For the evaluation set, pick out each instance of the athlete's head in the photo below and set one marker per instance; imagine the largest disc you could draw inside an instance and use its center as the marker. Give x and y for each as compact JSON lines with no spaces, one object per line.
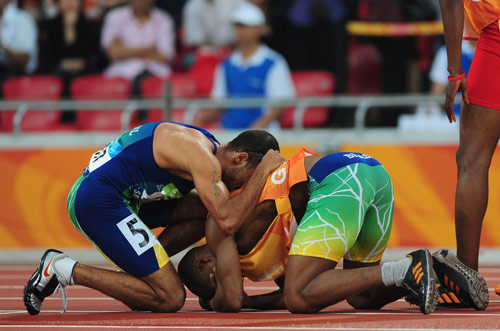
{"x":243,"y":154}
{"x":195,"y":271}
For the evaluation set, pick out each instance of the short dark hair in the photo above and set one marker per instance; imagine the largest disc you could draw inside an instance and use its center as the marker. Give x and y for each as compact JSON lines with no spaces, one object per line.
{"x":255,"y":143}
{"x":191,"y":275}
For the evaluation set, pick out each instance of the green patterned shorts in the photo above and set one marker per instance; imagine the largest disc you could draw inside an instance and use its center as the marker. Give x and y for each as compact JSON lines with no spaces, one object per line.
{"x":349,"y":214}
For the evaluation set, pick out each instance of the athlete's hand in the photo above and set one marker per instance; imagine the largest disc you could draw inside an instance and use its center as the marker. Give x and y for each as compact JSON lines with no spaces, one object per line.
{"x":271,"y":161}
{"x":205,"y":304}
{"x":451,"y":92}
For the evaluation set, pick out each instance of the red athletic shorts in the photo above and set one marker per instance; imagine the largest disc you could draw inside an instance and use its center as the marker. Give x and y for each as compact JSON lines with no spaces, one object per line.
{"x":484,"y":74}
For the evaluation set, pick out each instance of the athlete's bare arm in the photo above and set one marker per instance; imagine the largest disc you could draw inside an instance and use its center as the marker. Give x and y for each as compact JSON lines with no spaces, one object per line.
{"x":453,"y":22}
{"x":189,"y":154}
{"x":229,"y":291}
{"x":247,"y":237}
{"x":269,"y":301}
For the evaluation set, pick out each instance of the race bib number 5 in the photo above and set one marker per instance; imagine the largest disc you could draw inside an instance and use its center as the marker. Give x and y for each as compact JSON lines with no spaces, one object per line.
{"x":137,"y":234}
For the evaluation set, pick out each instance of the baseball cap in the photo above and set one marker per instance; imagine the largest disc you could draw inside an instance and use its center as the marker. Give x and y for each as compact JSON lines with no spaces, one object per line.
{"x":248,"y":14}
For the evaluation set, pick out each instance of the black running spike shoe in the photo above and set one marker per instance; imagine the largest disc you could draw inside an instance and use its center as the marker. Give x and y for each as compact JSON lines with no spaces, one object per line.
{"x":447,"y":299}
{"x":467,"y":284}
{"x":419,"y":280}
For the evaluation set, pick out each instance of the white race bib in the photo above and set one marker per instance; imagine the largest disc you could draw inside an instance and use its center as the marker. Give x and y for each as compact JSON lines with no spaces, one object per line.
{"x":99,"y":158}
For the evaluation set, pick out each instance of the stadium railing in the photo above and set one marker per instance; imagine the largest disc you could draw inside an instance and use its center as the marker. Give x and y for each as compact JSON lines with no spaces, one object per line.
{"x":360,"y":103}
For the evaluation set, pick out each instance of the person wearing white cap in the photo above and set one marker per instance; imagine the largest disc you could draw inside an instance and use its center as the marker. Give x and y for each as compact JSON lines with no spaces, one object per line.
{"x":252,"y":70}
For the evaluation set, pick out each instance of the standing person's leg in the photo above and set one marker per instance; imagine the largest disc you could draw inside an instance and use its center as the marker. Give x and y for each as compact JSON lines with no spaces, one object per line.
{"x":479,"y":134}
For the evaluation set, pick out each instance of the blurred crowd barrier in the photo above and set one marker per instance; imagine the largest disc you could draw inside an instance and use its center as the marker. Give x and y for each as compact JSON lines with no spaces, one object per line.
{"x":36,"y":181}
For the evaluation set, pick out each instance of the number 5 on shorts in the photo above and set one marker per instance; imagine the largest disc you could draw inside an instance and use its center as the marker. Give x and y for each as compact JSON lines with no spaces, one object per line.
{"x":137,"y":234}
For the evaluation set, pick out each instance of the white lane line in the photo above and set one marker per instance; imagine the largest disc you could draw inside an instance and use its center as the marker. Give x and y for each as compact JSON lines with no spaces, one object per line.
{"x":76,"y":299}
{"x":111,"y":299}
{"x":185,"y":327}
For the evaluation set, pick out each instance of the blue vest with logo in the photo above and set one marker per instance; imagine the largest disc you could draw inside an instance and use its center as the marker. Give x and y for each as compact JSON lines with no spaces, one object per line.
{"x":244,"y":83}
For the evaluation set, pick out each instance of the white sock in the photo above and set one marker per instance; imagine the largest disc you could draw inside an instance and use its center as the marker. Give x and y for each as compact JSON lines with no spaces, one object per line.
{"x":63,"y":268}
{"x":393,"y":273}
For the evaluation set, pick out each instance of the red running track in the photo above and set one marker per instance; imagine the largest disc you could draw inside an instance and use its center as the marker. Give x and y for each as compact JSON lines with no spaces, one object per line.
{"x":90,"y":310}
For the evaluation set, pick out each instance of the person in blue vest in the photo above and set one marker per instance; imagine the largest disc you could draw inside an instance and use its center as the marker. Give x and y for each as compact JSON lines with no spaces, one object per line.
{"x":252,"y":70}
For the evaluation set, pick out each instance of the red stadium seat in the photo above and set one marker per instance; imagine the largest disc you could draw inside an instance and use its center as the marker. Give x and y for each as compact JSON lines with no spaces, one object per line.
{"x":364,"y":69}
{"x":182,"y":87}
{"x":203,"y":69}
{"x":33,"y":88}
{"x":99,"y":87}
{"x":310,"y":84}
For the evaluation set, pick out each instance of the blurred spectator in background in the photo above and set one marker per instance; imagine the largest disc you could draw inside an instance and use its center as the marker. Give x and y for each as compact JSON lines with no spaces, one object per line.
{"x":207,"y":37}
{"x":252,"y":70}
{"x":397,"y":53}
{"x":32,"y":7}
{"x":70,"y":46}
{"x":107,"y":5}
{"x":318,"y":38}
{"x":139,"y":39}
{"x":18,"y":41}
{"x":430,"y":115}
{"x":174,"y":8}
{"x":208,"y":22}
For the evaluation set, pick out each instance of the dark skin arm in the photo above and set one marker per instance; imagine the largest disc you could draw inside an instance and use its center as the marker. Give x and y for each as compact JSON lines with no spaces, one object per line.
{"x":229,"y":294}
{"x":453,"y":22}
{"x":269,"y":301}
{"x":247,"y":237}
{"x":229,"y":291}
{"x":254,"y":228}
{"x":187,"y":225}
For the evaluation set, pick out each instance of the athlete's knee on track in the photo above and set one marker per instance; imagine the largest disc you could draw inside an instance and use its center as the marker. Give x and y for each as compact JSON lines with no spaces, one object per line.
{"x":363,"y":302}
{"x":296,"y":302}
{"x":170,"y":300}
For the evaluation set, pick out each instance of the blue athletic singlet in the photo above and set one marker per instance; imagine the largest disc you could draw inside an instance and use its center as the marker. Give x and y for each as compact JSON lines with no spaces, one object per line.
{"x":127,"y":164}
{"x":104,"y":202}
